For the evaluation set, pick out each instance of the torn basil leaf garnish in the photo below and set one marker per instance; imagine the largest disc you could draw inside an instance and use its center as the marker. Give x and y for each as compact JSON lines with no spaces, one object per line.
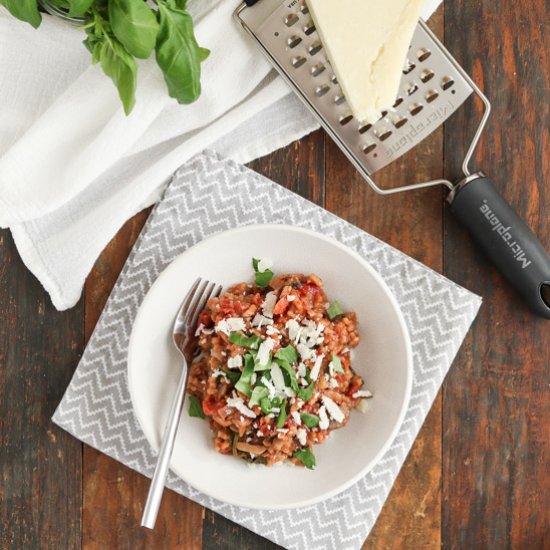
{"x":251,"y":342}
{"x":310,"y":420}
{"x":336,"y":364}
{"x":258,"y":393}
{"x":334,"y":310}
{"x":195,"y":407}
{"x":306,"y":457}
{"x":282,"y":415}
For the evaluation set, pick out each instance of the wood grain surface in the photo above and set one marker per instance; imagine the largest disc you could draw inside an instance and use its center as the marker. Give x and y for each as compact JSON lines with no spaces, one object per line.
{"x":478,"y":475}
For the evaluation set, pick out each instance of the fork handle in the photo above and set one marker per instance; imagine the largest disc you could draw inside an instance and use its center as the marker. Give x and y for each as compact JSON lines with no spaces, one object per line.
{"x":156,"y":488}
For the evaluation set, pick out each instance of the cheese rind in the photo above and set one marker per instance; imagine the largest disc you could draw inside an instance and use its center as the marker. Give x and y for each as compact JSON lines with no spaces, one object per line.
{"x":367,"y":43}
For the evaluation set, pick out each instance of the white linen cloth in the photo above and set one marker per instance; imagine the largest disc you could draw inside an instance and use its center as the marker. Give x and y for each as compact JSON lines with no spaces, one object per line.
{"x":74,"y":168}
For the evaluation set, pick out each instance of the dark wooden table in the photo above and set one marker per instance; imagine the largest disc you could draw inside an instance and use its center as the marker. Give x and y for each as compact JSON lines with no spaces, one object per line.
{"x":478,"y":475}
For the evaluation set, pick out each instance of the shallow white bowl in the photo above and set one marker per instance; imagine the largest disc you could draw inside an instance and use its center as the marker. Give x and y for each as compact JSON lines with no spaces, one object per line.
{"x":383,"y":358}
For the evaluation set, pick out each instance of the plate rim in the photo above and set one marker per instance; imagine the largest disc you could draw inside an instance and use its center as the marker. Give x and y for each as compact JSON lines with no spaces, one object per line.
{"x":408,"y":363}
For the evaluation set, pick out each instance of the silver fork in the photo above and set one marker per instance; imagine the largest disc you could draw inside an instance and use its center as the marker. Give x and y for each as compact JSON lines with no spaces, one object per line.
{"x":184,"y":339}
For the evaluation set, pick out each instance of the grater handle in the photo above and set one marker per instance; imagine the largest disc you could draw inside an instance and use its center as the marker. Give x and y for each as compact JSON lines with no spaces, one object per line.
{"x":505,"y":238}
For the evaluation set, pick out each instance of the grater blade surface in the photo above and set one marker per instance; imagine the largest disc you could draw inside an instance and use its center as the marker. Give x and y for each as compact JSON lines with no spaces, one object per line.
{"x":432,"y":87}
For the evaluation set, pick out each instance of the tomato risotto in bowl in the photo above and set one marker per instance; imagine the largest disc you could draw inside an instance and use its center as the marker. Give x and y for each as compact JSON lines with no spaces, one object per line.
{"x":274,"y":375}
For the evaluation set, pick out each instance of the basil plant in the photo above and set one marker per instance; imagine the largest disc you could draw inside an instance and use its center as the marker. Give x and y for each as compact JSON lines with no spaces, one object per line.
{"x":120,"y":31}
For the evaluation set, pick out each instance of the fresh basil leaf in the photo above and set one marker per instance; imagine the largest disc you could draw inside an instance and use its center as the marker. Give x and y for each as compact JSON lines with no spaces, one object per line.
{"x":258,"y":393}
{"x":334,"y":310}
{"x":306,"y":457}
{"x":25,"y":10}
{"x":290,"y":373}
{"x":288,"y":354}
{"x":282,"y":415}
{"x":265,"y":367}
{"x":336,"y":364}
{"x":77,"y":8}
{"x":243,"y":385}
{"x":310,"y":420}
{"x":263,"y":279}
{"x":134,"y":23}
{"x":305,"y":394}
{"x":266,"y":405}
{"x":178,"y":54}
{"x":252,"y":342}
{"x":121,"y":68}
{"x":232,"y":375}
{"x":195,"y":407}
{"x":248,"y":363}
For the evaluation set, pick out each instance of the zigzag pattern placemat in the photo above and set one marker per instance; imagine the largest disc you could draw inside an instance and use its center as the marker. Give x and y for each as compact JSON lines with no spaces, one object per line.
{"x":208,"y":195}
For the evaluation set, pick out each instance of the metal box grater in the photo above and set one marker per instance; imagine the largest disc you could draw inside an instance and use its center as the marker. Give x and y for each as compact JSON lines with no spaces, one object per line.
{"x":433,"y":87}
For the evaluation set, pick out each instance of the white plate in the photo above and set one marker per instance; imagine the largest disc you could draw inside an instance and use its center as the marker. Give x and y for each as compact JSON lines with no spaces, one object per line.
{"x":383,"y":358}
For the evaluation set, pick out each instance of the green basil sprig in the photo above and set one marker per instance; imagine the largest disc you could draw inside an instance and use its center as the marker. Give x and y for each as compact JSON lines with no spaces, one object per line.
{"x":26,"y":10}
{"x":119,"y":31}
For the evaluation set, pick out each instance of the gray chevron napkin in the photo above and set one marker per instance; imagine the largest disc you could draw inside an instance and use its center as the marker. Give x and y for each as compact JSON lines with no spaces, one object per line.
{"x":208,"y":195}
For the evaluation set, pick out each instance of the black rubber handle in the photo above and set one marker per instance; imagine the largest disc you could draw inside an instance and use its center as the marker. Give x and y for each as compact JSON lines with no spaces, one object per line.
{"x":506,"y":239}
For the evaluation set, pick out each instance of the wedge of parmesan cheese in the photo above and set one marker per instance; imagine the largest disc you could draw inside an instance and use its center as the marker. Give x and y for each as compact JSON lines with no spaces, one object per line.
{"x":367,"y":43}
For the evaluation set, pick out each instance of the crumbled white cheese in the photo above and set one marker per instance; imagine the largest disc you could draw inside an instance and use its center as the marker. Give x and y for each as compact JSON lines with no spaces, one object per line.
{"x":323,"y":418}
{"x":271,"y":330}
{"x":363,"y":405}
{"x":259,"y":433}
{"x":293,"y":328}
{"x":260,"y":320}
{"x":238,"y":403}
{"x":334,"y":383}
{"x":282,"y":430}
{"x":217,"y":373}
{"x":235,"y":362}
{"x":277,"y":377}
{"x":270,"y":387}
{"x":269,"y":304}
{"x":333,"y":409}
{"x":264,"y":350}
{"x":362,"y":393}
{"x":289,"y":392}
{"x":301,"y":434}
{"x":231,"y":324}
{"x":305,"y":352}
{"x":303,"y":382}
{"x":297,"y":418}
{"x":201,"y":329}
{"x":291,"y":297}
{"x":316,"y":367}
{"x":301,"y":369}
{"x":265,"y":263}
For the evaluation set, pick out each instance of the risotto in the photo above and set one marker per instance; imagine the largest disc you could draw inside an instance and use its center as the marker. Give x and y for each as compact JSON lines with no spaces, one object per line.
{"x":274,"y":374}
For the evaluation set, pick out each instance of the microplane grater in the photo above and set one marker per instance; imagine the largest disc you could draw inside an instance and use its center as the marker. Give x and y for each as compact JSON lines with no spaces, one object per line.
{"x":433,"y":86}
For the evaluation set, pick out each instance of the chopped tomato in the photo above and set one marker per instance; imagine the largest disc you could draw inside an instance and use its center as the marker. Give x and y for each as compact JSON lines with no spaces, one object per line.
{"x":205,"y":319}
{"x":210,"y":406}
{"x":309,"y":288}
{"x":257,"y":299}
{"x":281,"y":306}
